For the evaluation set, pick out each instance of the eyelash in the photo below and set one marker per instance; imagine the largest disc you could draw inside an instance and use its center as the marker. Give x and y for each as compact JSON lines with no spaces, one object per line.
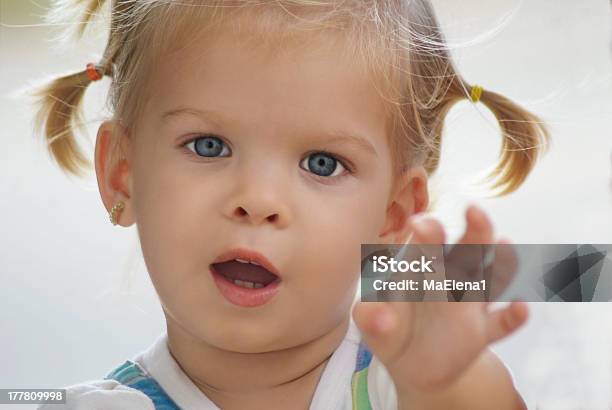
{"x":325,"y":179}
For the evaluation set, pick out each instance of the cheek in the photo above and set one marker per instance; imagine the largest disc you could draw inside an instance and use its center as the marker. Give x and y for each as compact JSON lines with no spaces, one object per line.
{"x":172,"y":216}
{"x":333,"y":239}
{"x":176,"y":231}
{"x":356,"y":217}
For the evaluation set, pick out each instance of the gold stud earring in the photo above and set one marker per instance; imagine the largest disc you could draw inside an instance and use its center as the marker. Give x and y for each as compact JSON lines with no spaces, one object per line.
{"x":118,"y":207}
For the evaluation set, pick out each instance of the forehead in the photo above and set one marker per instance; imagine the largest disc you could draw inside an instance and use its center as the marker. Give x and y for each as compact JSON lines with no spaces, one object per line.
{"x":304,"y":82}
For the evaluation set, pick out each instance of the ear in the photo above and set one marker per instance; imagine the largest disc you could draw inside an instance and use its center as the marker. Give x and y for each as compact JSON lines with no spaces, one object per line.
{"x":409,"y":197}
{"x":113,"y":169}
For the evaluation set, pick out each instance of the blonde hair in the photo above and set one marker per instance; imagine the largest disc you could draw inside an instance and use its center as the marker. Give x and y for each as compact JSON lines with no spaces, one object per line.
{"x":399,"y":41}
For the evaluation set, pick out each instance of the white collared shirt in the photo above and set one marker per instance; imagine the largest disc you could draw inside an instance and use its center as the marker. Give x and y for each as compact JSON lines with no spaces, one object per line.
{"x":333,"y":391}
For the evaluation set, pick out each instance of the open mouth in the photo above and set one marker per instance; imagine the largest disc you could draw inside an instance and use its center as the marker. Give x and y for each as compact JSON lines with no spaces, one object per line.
{"x":245,"y":274}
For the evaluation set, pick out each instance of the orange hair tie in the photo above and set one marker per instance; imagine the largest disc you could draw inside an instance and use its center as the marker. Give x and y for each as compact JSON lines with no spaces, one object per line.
{"x":92,"y":73}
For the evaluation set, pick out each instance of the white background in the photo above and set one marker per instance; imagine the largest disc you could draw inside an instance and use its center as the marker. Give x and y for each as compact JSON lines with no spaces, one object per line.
{"x":75,"y":299}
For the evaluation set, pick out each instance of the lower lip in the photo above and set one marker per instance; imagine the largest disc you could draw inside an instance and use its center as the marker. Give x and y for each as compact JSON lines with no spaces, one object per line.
{"x":244,"y":297}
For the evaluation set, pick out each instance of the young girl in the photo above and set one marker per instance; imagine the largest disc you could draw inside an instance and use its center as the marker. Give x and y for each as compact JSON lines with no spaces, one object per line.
{"x":256,"y":145}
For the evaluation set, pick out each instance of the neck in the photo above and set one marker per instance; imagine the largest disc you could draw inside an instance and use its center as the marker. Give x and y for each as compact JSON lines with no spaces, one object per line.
{"x":230,"y":378}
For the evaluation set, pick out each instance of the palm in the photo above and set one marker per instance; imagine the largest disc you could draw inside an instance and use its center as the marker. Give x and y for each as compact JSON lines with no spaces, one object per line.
{"x":444,"y":338}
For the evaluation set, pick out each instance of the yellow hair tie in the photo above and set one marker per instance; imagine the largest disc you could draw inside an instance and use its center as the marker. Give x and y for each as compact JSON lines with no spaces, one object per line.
{"x":476,"y":93}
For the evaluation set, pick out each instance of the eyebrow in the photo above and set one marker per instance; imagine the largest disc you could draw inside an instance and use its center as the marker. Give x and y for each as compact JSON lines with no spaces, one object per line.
{"x":348,"y":138}
{"x":334,"y":136}
{"x":205,"y":114}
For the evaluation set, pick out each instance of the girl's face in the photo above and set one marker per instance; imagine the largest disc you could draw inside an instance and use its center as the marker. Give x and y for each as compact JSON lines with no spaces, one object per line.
{"x":254,"y":180}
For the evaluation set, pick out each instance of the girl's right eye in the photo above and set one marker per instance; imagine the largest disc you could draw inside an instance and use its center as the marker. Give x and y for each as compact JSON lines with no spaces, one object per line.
{"x":207,"y":146}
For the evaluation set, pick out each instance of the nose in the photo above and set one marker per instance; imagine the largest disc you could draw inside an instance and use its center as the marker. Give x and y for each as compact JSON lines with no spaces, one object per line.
{"x":259,"y":201}
{"x":256,"y":217}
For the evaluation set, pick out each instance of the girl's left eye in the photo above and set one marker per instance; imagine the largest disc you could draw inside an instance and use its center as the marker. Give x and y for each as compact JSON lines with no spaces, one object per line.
{"x":323,"y":165}
{"x":207,"y":146}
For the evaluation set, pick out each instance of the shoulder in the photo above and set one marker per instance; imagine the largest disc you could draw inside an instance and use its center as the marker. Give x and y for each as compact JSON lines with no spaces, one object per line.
{"x":102,"y":394}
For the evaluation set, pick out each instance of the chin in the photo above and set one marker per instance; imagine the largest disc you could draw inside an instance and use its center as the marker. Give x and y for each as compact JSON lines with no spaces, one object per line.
{"x":250,"y":340}
{"x":239,"y":333}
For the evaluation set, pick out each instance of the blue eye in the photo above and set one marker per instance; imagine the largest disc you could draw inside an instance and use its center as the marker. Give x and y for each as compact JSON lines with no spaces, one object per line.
{"x":207,"y":146}
{"x":322,"y":164}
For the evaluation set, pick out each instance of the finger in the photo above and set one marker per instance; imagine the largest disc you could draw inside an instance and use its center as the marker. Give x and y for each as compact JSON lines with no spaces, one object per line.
{"x":479,"y":228}
{"x":471,"y":262}
{"x":502,"y":271}
{"x":504,"y":321}
{"x":382,"y":328}
{"x":466,"y":257}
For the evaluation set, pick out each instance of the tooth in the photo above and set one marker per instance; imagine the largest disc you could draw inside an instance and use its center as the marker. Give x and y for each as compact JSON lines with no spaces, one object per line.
{"x":246,"y":261}
{"x":258,"y":285}
{"x":244,"y":283}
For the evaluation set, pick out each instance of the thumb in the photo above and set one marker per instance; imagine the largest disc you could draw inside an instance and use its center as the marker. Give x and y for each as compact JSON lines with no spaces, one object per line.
{"x":381,"y":330}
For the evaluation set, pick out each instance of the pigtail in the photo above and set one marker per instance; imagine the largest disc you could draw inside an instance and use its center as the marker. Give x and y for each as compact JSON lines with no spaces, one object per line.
{"x":59,"y":102}
{"x":525,"y":138}
{"x":435,"y":86}
{"x":58,"y":114}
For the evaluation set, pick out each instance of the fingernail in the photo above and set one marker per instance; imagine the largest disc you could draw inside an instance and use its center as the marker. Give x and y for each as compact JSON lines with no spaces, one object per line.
{"x":474,"y":210}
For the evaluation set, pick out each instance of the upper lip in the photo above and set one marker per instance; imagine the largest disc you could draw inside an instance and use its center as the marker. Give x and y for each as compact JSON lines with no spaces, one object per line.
{"x":249,"y":255}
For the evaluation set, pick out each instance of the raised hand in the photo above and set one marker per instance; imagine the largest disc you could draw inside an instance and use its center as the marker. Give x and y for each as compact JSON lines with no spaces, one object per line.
{"x":427,"y":346}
